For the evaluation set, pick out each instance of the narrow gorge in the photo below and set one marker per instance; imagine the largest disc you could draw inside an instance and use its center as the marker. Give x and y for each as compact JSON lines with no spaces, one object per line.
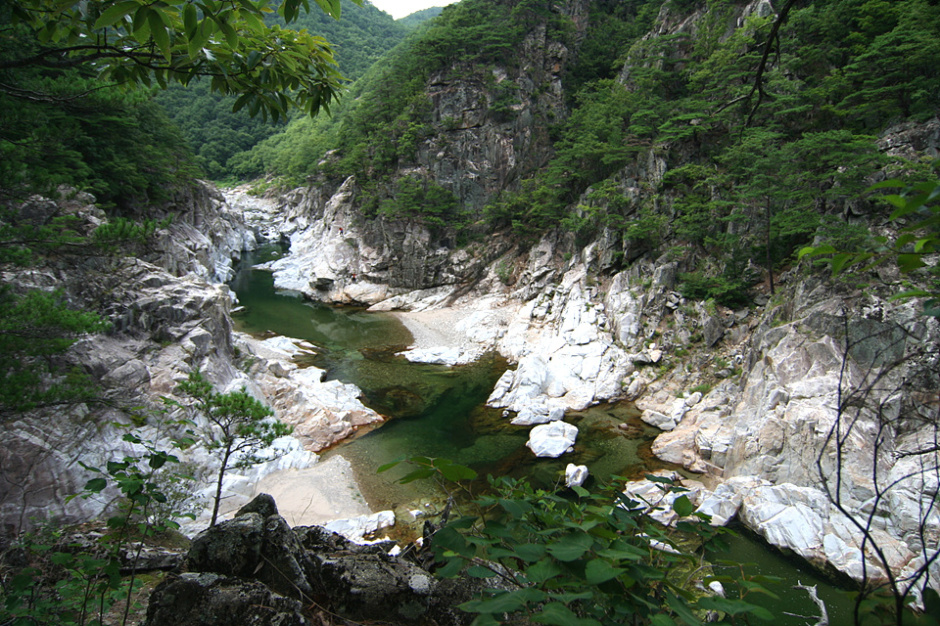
{"x":577,"y":235}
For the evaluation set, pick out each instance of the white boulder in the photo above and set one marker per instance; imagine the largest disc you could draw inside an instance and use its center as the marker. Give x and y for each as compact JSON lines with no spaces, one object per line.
{"x":356,"y":528}
{"x":538,"y":414}
{"x":552,"y":440}
{"x":575,"y":475}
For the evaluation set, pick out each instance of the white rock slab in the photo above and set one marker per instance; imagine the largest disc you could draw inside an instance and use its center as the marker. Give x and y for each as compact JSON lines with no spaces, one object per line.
{"x":442,"y":355}
{"x":538,"y":414}
{"x":356,"y":528}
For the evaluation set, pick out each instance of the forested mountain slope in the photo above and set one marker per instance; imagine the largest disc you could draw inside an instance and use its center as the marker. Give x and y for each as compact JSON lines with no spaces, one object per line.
{"x":216,"y":134}
{"x":528,"y":115}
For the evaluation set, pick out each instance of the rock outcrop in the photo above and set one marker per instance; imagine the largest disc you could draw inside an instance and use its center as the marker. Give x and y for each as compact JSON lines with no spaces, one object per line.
{"x":168,"y":319}
{"x":255,"y":569}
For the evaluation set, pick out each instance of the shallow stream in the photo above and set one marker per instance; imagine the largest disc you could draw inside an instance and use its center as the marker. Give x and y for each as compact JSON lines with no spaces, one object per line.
{"x":439,"y":411}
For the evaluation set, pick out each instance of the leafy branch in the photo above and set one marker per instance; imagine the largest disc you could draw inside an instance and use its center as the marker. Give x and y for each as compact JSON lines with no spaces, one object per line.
{"x":917,"y":212}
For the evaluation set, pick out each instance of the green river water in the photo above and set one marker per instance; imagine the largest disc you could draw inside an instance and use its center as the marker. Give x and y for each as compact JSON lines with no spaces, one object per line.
{"x":439,"y":411}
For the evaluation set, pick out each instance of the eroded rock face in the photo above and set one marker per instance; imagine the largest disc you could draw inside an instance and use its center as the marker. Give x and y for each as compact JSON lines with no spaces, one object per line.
{"x":320,"y":412}
{"x":565,"y":352}
{"x":770,"y":438}
{"x":163,"y":327}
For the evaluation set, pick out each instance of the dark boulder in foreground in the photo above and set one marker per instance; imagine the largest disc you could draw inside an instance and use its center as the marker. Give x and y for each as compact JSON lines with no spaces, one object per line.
{"x":255,"y":569}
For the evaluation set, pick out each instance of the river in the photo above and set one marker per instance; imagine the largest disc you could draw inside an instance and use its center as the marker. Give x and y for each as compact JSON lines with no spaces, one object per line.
{"x":440,"y":411}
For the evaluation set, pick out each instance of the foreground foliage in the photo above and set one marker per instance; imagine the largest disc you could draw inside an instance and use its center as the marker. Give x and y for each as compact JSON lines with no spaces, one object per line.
{"x":58,"y":579}
{"x":139,"y":42}
{"x":573,"y":557}
{"x":76,"y":76}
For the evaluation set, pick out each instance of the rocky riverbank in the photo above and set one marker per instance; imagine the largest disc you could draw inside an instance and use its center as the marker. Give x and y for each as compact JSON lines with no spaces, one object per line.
{"x":747,"y":398}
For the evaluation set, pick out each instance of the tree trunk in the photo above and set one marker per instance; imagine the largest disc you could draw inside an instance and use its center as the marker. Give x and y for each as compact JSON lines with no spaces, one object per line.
{"x":770,"y":260}
{"x":218,"y":485}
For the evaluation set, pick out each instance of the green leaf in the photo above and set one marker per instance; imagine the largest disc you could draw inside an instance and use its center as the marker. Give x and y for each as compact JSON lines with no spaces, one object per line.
{"x":190,"y":20}
{"x":253,"y":23}
{"x":231,"y":37}
{"x":115,"y":13}
{"x":418,"y":474}
{"x":452,"y":568}
{"x":910,"y":262}
{"x":839,"y":262}
{"x":679,"y":606}
{"x":449,"y":539}
{"x":560,"y":615}
{"x":623,"y":551}
{"x":905,"y":206}
{"x":921,"y":244}
{"x":115,"y":467}
{"x":63,"y":559}
{"x":816,"y":250}
{"x":141,"y":23}
{"x":542,"y":570}
{"x":887,"y":184}
{"x":505,"y":602}
{"x":478,"y":571}
{"x":733,"y":607}
{"x":516,"y":508}
{"x":756,"y":587}
{"x":387,"y":466}
{"x":571,"y":546}
{"x":529,"y":552}
{"x":662,"y":619}
{"x":333,"y":8}
{"x":599,"y":571}
{"x":683,"y":506}
{"x":454,"y":472}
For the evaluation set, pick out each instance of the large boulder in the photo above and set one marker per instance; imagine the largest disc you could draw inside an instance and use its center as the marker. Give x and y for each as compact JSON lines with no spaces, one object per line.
{"x":258,"y":543}
{"x":206,"y":599}
{"x":257,"y":558}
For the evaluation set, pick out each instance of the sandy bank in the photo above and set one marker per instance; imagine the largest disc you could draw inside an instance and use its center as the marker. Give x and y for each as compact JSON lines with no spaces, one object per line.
{"x":437,"y":328}
{"x":316,"y":495}
{"x":469,"y":325}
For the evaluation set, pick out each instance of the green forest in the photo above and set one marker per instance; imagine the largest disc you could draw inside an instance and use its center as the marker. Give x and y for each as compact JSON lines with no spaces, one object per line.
{"x":220,"y":138}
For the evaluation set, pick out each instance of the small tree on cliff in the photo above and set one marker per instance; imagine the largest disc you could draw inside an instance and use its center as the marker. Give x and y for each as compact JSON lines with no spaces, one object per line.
{"x":238,"y":427}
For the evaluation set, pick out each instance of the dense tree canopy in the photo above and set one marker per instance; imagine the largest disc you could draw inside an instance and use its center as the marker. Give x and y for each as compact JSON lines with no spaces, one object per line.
{"x":140,"y":42}
{"x":216,"y":133}
{"x":74,"y":103}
